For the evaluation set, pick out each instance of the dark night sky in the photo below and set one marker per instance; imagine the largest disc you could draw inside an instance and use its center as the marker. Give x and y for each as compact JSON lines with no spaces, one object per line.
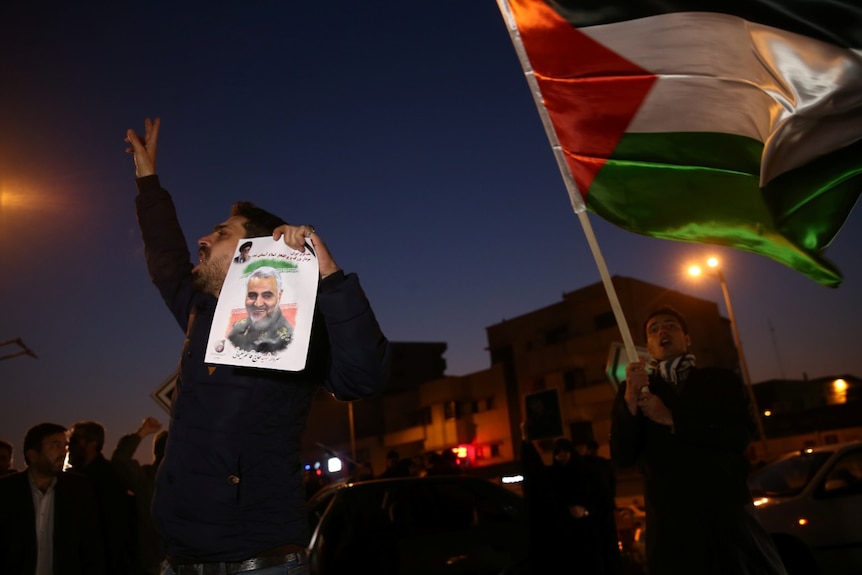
{"x":404,"y":131}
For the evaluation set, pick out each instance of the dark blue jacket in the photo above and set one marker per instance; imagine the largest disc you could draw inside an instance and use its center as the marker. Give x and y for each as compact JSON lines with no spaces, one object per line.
{"x":231,"y":483}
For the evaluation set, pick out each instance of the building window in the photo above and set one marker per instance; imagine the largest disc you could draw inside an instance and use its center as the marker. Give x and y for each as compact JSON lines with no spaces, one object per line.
{"x":556,"y":334}
{"x":574,"y":378}
{"x":480,"y":405}
{"x":502,"y":355}
{"x":421,"y":417}
{"x":452,"y":409}
{"x":605,"y":320}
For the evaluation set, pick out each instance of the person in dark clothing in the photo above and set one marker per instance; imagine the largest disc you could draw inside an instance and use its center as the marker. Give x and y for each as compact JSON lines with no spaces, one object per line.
{"x":395,"y":466}
{"x":141,"y":479}
{"x":444,"y":463}
{"x":604,"y":515}
{"x":314,"y":481}
{"x":116,"y":504}
{"x":229,"y":494}
{"x":561,"y":498}
{"x":49,"y":522}
{"x":6,"y":460}
{"x":687,"y":428}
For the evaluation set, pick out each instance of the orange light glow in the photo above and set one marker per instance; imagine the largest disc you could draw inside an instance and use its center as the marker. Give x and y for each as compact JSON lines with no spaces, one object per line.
{"x":839,"y":392}
{"x":803,"y":521}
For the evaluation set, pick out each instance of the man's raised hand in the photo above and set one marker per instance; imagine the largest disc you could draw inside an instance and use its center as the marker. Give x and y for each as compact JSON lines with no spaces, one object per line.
{"x":144,"y":150}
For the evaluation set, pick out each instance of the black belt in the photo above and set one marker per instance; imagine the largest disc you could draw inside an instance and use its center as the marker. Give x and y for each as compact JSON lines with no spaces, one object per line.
{"x":231,"y":567}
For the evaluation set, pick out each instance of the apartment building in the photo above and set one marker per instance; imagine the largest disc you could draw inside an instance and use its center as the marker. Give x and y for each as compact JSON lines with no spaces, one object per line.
{"x":560,"y":353}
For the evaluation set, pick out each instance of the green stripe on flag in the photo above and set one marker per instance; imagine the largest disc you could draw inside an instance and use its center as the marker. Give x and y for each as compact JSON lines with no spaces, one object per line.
{"x":812,"y":203}
{"x":703,"y":188}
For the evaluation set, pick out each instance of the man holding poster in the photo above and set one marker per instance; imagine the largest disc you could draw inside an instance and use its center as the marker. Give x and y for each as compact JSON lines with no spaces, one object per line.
{"x":229,"y":494}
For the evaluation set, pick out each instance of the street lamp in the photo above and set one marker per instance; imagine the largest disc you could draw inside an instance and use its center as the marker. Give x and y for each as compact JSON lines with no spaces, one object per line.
{"x":712,"y":262}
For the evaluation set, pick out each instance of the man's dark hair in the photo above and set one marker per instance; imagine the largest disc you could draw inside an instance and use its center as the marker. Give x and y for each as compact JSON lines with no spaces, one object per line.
{"x":37,"y":434}
{"x":7,"y":446}
{"x":91,"y":431}
{"x":259,"y":222}
{"x":563,"y":444}
{"x":666,"y":310}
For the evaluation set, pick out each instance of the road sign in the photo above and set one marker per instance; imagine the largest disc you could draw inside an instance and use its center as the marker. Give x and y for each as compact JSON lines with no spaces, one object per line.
{"x":164,"y":393}
{"x":618,"y":360}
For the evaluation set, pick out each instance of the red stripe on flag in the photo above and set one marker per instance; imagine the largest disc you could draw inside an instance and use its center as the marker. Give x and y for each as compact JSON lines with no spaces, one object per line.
{"x":591,"y":93}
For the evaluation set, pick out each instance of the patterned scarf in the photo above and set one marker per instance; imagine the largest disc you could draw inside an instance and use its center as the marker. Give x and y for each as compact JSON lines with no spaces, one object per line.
{"x":674,"y":371}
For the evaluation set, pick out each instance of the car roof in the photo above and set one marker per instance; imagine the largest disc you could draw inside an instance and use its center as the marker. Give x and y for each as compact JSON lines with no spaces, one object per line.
{"x":829,"y":447}
{"x":383,"y":483}
{"x":375,"y":483}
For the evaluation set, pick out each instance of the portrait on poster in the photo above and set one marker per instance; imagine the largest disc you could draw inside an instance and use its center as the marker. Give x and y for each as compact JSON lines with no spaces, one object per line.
{"x":265,"y":310}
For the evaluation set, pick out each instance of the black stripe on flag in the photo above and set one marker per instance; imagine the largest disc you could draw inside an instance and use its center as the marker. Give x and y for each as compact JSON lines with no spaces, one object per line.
{"x":838,"y":22}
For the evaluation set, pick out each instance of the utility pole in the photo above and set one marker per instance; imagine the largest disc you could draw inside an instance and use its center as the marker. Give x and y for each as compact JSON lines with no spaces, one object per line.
{"x":743,"y":364}
{"x":775,"y":345}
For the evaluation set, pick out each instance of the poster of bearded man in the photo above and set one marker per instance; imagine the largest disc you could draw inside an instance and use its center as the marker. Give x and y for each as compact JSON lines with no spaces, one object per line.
{"x":266,"y":308}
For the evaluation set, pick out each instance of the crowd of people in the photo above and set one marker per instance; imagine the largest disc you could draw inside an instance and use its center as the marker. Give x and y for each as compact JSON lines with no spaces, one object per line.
{"x":73,"y":510}
{"x":93,"y":513}
{"x":443,"y":462}
{"x":230,"y":496}
{"x":686,"y":427}
{"x":572,"y":507}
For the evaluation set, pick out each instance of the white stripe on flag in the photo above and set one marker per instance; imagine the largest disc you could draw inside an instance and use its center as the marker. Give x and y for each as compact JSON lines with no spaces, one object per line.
{"x":719,"y":73}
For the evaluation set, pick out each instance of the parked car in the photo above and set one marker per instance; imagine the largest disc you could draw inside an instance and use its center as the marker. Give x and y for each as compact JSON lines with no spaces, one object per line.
{"x":810,"y":501}
{"x":416,"y":525}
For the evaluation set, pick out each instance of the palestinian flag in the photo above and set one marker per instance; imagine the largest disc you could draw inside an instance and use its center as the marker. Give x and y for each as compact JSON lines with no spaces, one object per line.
{"x":736,"y":123}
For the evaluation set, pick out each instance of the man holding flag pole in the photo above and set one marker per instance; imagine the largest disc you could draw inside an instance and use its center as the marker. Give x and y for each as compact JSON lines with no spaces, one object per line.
{"x":736,"y":123}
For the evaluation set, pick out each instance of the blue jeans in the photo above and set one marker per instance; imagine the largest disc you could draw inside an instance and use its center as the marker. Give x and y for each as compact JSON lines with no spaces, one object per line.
{"x":290,"y":568}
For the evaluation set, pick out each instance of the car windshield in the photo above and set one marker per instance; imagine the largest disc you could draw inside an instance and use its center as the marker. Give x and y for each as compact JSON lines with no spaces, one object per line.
{"x":787,"y":476}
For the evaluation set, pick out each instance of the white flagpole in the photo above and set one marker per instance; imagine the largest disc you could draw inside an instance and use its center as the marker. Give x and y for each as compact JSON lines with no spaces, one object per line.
{"x":574,"y":194}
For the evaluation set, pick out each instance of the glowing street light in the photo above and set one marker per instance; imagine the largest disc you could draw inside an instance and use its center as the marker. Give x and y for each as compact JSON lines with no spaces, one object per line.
{"x":715,"y":271}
